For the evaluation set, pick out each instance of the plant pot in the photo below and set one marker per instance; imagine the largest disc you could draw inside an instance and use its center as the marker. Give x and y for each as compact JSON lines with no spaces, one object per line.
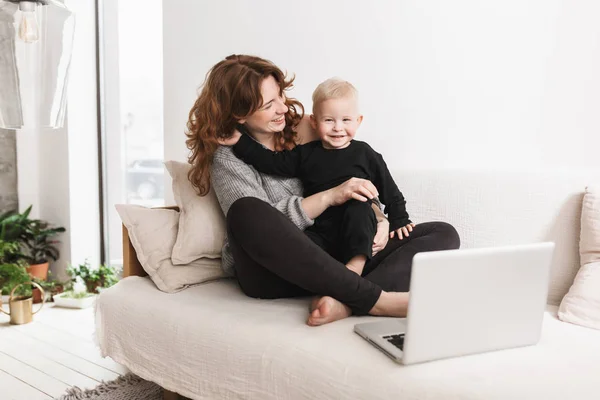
{"x":57,"y":290}
{"x":92,"y":286}
{"x":62,"y":301}
{"x":38,"y":271}
{"x":37,"y":295}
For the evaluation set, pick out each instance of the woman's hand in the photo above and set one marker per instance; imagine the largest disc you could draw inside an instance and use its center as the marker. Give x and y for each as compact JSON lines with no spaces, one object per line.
{"x":230,"y":141}
{"x":381,"y":237}
{"x":403,"y":231}
{"x":354,"y":188}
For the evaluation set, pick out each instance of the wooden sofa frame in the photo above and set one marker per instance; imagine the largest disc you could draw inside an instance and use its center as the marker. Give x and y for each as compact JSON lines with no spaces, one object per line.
{"x":132,"y":267}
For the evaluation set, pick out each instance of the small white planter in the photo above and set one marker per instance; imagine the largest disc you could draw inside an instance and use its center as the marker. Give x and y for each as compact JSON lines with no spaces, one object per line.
{"x":5,"y":299}
{"x":62,"y":301}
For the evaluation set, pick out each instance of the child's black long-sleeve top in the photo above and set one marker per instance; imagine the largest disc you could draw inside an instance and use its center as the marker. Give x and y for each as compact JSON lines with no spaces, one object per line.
{"x":321,"y":169}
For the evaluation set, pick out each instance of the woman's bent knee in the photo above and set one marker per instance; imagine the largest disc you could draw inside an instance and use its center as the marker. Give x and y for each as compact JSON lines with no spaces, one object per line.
{"x":242,"y":209}
{"x":245,"y":205}
{"x":449,"y":233}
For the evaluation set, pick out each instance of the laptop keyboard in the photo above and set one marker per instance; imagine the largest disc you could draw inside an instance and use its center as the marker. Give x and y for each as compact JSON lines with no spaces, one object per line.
{"x":396,"y":340}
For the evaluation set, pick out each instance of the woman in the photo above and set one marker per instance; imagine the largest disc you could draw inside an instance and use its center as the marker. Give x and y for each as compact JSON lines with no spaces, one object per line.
{"x":266,"y":249}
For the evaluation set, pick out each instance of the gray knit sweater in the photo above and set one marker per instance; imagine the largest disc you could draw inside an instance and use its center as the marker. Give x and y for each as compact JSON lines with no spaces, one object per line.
{"x":232,"y":179}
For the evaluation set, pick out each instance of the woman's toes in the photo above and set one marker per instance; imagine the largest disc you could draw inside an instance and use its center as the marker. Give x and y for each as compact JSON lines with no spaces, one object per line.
{"x":327,"y":310}
{"x":313,"y":303}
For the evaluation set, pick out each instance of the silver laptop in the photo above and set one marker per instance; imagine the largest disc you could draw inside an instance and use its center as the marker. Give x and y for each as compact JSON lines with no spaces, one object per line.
{"x":467,"y":302}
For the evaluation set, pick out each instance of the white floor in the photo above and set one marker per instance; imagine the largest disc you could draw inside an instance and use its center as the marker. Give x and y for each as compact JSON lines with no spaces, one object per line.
{"x":40,"y":360}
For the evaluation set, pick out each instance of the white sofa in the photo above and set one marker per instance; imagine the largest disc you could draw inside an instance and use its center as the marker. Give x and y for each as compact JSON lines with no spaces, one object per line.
{"x":212,"y":342}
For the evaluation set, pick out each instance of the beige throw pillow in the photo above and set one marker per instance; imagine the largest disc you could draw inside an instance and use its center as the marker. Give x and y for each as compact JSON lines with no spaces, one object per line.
{"x":581,"y":305}
{"x":152,"y":233}
{"x":201,"y":221}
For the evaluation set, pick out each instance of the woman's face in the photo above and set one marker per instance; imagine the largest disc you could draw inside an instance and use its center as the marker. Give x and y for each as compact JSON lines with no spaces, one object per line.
{"x":270,"y":118}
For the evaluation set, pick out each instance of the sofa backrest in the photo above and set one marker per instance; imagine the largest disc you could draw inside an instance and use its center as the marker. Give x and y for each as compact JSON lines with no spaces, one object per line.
{"x":493,"y":208}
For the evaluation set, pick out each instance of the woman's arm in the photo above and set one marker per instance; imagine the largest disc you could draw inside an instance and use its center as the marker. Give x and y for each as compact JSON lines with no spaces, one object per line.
{"x":316,"y":204}
{"x":354,"y":188}
{"x":233,"y":179}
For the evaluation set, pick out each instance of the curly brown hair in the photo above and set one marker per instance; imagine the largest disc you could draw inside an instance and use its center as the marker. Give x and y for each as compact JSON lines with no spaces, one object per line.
{"x":231,"y":92}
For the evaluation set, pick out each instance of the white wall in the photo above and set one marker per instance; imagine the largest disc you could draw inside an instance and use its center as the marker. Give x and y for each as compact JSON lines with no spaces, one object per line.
{"x":461,"y":84}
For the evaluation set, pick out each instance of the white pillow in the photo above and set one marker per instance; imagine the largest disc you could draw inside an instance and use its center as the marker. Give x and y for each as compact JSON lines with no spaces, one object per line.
{"x":152,"y":233}
{"x":201,"y":221}
{"x":581,"y":305}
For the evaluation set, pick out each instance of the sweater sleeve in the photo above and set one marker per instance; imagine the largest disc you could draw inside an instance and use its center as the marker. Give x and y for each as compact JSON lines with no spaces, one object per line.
{"x":233,"y":179}
{"x":389,"y":194}
{"x":283,"y":163}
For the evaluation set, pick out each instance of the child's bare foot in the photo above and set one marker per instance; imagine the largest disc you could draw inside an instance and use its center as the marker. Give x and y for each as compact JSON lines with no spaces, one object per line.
{"x":327,"y":309}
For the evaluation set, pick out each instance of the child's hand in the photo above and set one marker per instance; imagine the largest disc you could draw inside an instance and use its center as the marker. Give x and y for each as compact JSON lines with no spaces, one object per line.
{"x":402,"y":232}
{"x":230,"y":141}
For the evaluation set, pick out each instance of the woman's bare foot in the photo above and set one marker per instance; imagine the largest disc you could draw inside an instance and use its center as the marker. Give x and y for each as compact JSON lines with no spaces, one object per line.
{"x":327,"y":309}
{"x":313,"y":303}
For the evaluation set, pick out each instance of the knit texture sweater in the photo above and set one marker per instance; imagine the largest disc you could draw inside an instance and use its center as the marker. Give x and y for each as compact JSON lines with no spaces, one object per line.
{"x":232,"y":179}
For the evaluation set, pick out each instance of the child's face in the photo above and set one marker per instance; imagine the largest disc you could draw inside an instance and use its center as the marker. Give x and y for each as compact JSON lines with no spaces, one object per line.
{"x":336,"y":121}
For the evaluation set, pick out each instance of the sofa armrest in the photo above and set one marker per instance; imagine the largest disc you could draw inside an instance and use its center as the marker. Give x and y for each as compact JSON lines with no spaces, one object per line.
{"x":131,"y":264}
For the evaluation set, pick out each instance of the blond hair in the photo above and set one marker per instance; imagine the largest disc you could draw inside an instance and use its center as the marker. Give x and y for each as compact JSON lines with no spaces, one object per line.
{"x":333,"y":88}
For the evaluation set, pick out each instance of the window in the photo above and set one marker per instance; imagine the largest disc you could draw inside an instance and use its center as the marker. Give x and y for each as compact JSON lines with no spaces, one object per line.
{"x":132,"y":109}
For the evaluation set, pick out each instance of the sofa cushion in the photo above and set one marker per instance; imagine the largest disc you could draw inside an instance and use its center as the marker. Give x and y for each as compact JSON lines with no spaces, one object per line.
{"x":589,"y":244}
{"x":581,"y":305}
{"x":201,"y":230}
{"x":228,"y":346}
{"x":152,"y":233}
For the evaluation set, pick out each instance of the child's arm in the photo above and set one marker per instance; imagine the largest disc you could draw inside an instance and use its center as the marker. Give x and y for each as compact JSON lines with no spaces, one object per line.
{"x":389,"y":194}
{"x":233,"y":139}
{"x":284,"y":163}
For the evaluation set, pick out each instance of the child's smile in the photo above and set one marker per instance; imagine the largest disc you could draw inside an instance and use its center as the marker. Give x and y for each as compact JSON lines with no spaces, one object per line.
{"x":337,"y":121}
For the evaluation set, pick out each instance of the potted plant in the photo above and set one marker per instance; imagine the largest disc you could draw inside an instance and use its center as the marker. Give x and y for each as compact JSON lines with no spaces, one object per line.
{"x":13,"y":225}
{"x":13,"y":232}
{"x":76,"y":297}
{"x":9,"y":252}
{"x":95,"y":279}
{"x":35,"y":240}
{"x":12,"y":272}
{"x":12,"y":275}
{"x":41,"y":248}
{"x":51,"y":288}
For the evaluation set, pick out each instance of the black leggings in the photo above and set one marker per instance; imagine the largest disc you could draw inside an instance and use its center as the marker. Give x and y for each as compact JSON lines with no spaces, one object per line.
{"x":275,"y":259}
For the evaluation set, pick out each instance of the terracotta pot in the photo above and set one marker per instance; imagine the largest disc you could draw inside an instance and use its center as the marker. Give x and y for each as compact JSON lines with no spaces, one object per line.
{"x":38,"y":271}
{"x":37,"y":295}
